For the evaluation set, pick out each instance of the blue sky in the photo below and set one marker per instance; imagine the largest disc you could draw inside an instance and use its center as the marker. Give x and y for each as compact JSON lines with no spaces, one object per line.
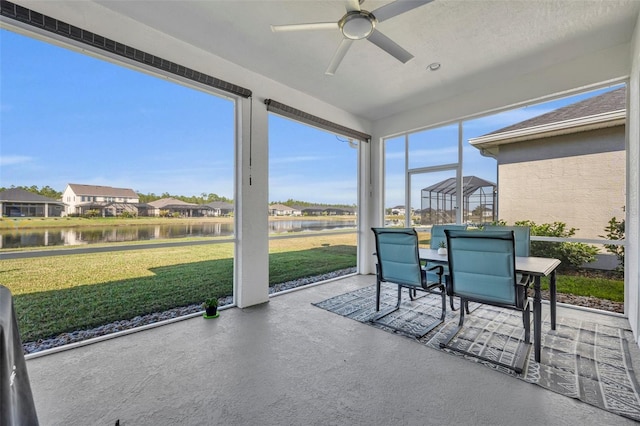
{"x":66,"y":118}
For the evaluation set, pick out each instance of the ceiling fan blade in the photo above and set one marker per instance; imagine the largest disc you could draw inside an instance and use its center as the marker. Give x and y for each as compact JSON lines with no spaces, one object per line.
{"x":305,"y":27}
{"x":396,"y":8}
{"x":389,"y":46}
{"x":339,"y":56}
{"x":353,"y":5}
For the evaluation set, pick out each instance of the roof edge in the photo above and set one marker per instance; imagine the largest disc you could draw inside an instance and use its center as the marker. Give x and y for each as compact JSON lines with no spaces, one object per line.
{"x":592,"y":122}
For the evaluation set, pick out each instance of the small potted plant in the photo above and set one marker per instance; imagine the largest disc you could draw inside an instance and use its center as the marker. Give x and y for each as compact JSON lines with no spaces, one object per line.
{"x":442,"y":248}
{"x":211,"y":308}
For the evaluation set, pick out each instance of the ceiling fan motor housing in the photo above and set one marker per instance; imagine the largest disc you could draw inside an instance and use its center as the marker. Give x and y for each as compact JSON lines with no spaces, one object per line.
{"x":357,"y":24}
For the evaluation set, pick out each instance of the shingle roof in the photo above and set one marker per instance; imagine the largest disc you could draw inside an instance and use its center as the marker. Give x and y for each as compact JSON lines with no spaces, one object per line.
{"x":102,"y":191}
{"x":280,"y":207}
{"x":223,"y":205}
{"x":172,"y":202}
{"x":614,"y":100}
{"x":23,"y":196}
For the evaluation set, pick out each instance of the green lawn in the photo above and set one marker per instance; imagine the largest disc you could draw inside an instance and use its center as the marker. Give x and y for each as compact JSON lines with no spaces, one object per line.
{"x":599,"y":287}
{"x":66,"y":293}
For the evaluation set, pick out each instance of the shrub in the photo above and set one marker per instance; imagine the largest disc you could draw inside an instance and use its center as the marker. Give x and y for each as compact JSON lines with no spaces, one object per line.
{"x":615,"y":231}
{"x":572,"y":255}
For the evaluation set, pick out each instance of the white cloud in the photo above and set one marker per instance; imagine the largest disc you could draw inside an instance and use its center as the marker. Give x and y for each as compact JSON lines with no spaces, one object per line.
{"x":10,"y":160}
{"x":295,"y":159}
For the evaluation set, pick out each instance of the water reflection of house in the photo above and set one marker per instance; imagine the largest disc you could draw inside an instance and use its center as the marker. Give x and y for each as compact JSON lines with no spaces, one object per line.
{"x":107,"y":200}
{"x":172,"y":206}
{"x":220,"y":208}
{"x":18,"y":202}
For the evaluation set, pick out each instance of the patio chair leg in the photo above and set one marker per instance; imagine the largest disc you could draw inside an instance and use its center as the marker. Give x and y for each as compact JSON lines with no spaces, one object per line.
{"x":526,"y":316}
{"x":453,"y":308}
{"x":381,"y":314}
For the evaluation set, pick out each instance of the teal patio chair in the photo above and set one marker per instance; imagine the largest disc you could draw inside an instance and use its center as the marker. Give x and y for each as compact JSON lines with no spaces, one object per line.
{"x":482,"y":270}
{"x":522,"y":235}
{"x":399,"y":264}
{"x":437,"y":237}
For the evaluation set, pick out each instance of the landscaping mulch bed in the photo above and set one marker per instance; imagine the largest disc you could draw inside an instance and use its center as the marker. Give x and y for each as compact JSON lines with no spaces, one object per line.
{"x":588,"y":302}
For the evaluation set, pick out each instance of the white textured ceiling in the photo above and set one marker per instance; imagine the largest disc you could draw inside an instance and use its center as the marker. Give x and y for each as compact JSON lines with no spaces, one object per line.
{"x":477,"y":42}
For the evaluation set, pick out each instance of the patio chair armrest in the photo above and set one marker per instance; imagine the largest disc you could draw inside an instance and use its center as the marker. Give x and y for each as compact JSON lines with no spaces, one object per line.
{"x":438,"y":267}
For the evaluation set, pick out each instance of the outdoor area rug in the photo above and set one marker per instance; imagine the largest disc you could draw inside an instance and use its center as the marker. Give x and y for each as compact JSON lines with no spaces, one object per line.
{"x":580,"y":359}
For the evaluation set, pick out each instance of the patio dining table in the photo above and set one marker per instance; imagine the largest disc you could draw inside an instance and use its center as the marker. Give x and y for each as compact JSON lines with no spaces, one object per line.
{"x":537,"y":267}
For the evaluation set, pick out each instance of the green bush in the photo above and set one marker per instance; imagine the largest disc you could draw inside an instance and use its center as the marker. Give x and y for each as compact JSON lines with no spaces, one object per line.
{"x":615,"y":231}
{"x":572,"y":255}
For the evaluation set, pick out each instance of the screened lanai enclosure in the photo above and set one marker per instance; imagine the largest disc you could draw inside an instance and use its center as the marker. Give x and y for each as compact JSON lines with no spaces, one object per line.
{"x":438,"y":201}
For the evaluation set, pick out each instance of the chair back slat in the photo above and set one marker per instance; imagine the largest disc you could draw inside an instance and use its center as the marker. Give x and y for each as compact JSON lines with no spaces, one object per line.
{"x":482,"y":266}
{"x":522,"y":235}
{"x":437,"y":233}
{"x":397,"y":253}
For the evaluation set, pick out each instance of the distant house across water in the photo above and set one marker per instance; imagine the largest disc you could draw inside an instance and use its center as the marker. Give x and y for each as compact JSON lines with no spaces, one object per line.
{"x":108,"y":201}
{"x":282,"y":210}
{"x":173,"y":206}
{"x":17,"y":202}
{"x":220,"y":208}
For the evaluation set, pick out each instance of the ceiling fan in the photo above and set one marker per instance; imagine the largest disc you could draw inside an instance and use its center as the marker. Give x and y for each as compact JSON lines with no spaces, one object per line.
{"x":358,"y":24}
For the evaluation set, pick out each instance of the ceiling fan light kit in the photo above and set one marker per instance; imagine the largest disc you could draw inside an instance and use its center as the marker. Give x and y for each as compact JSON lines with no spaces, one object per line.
{"x":358,"y":24}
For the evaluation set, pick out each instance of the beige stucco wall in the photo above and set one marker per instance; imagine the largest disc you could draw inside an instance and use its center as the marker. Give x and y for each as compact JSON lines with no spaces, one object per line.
{"x":577,"y":179}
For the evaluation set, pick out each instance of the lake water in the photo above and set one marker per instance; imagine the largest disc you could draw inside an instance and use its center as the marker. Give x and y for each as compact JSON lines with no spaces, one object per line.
{"x":105,"y":234}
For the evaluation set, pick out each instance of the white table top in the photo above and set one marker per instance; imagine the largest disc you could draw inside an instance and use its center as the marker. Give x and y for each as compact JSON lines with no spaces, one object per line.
{"x":542,"y":266}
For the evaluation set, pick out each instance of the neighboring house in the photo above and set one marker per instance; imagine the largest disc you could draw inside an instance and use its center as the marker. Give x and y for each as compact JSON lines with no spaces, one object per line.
{"x":17,"y":202}
{"x":220,"y":208}
{"x":577,"y":149}
{"x":282,"y":210}
{"x":172,"y":206}
{"x":398,"y":210}
{"x":108,"y":201}
{"x":326,"y":211}
{"x":339,"y":211}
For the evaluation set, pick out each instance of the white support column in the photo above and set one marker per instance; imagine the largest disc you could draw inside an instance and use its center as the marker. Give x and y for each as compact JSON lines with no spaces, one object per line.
{"x":632,"y":223}
{"x":372,"y":209}
{"x":366,"y":206}
{"x":251,"y":263}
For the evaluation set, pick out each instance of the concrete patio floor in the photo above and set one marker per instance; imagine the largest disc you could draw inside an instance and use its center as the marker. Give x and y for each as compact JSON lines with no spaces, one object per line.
{"x":288,"y":363}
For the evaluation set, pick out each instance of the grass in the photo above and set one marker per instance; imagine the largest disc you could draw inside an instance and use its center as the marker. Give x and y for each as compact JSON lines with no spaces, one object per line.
{"x":60,"y":294}
{"x":600,"y":287}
